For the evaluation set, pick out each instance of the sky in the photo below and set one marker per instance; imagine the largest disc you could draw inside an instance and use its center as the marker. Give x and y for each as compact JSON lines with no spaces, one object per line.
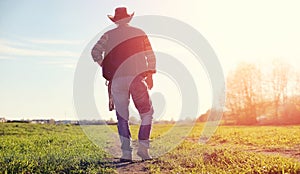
{"x":41,"y":42}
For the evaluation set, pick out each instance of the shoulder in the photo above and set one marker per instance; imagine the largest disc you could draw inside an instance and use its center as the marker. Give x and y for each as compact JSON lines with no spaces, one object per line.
{"x":139,"y":30}
{"x":110,"y":31}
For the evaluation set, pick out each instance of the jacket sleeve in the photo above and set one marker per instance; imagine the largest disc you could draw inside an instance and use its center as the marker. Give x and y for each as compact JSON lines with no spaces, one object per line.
{"x":99,"y":49}
{"x":151,"y":60}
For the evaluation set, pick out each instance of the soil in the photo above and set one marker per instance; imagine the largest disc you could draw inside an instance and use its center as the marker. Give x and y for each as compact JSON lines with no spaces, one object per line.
{"x":289,"y":153}
{"x":135,"y":167}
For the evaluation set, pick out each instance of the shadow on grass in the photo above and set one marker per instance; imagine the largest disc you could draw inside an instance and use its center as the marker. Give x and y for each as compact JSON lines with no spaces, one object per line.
{"x":116,"y":163}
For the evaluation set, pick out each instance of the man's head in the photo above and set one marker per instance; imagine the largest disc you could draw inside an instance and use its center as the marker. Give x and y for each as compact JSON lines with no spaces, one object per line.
{"x":121,"y":16}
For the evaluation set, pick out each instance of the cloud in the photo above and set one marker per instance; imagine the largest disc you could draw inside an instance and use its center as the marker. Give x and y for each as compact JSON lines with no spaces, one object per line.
{"x":56,"y":42}
{"x":67,"y":63}
{"x":10,"y":48}
{"x":53,"y":52}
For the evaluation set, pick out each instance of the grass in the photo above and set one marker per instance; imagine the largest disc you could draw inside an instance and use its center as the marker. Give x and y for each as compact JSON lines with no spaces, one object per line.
{"x":28,"y":148}
{"x":195,"y":158}
{"x":34,"y":148}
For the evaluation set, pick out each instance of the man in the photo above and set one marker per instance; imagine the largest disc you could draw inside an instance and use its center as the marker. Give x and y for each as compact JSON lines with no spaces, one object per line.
{"x":128,"y":64}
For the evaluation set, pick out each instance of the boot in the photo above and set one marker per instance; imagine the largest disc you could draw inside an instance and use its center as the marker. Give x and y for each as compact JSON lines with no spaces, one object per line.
{"x":126,"y":156}
{"x":126,"y":149}
{"x":144,"y":154}
{"x":143,"y":150}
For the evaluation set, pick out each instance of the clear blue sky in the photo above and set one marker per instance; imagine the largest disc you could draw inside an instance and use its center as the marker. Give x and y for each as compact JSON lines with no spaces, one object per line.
{"x":41,"y":41}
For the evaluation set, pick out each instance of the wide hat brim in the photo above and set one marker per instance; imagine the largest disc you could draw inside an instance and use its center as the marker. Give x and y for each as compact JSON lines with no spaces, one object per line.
{"x":121,"y":18}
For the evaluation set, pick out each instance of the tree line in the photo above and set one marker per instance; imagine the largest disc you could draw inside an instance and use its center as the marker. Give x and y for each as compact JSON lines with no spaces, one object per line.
{"x":264,"y":94}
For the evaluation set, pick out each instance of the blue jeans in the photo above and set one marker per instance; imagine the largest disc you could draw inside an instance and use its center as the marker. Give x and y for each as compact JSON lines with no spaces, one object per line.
{"x":122,"y":88}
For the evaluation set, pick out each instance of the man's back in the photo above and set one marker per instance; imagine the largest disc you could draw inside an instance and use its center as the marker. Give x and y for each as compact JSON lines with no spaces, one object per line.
{"x":126,"y":50}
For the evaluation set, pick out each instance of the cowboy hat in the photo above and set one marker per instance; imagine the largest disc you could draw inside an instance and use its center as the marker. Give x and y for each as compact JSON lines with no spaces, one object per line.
{"x":121,"y":15}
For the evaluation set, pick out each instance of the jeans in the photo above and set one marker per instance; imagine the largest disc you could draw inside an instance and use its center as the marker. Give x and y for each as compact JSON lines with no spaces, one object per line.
{"x":122,"y":88}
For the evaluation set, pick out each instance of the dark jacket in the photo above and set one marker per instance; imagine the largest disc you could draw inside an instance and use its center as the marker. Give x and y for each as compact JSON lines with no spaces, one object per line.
{"x":128,"y":49}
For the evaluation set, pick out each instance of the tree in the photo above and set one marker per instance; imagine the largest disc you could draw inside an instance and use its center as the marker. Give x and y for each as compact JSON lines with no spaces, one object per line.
{"x":279,"y":83}
{"x":242,"y":93}
{"x":52,"y":121}
{"x":295,"y":88}
{"x":204,"y":117}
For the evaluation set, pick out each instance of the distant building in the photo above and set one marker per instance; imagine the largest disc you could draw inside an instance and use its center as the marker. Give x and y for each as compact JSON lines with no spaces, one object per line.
{"x":73,"y":122}
{"x":2,"y":120}
{"x":42,"y":121}
{"x":92,"y":122}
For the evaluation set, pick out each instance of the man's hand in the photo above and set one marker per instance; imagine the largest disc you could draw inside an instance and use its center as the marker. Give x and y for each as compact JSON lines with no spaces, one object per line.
{"x":149,"y":81}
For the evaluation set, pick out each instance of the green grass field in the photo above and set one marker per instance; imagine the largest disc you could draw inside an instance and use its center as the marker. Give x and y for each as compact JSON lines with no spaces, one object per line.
{"x":33,"y":148}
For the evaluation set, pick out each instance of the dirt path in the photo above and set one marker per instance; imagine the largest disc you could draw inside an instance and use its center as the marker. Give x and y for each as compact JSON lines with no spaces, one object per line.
{"x":137,"y":166}
{"x":289,"y":153}
{"x":133,"y":167}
